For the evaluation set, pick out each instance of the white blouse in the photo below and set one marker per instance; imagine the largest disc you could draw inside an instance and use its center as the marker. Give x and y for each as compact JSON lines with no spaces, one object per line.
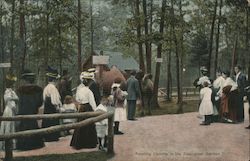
{"x":203,"y":79}
{"x":85,"y":95}
{"x":51,"y":91}
{"x":218,"y":83}
{"x":231,"y":82}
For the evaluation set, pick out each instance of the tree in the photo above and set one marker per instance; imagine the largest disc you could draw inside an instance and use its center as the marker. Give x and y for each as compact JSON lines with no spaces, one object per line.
{"x":79,"y":37}
{"x":210,"y":48}
{"x":147,"y":42}
{"x":217,"y":39}
{"x":139,"y":38}
{"x":159,"y":51}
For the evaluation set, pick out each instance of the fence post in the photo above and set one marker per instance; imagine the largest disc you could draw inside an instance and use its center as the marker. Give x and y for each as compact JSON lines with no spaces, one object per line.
{"x":110,"y":135}
{"x":8,"y":150}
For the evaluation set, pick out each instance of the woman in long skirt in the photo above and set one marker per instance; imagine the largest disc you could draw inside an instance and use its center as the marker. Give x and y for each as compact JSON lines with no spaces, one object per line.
{"x":84,"y":137}
{"x":52,"y":103}
{"x":10,"y":99}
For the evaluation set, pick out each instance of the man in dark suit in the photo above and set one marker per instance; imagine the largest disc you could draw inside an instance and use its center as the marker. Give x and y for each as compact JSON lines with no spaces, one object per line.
{"x":240,"y":79}
{"x":133,"y":89}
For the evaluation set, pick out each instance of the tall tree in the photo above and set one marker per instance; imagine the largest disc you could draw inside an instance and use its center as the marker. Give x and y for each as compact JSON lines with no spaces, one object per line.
{"x":22,"y":34}
{"x":139,"y":35}
{"x":147,"y":43}
{"x":217,"y":39}
{"x":179,"y":60}
{"x":159,"y":53}
{"x":12,"y":36}
{"x":79,"y":36}
{"x":211,"y":40}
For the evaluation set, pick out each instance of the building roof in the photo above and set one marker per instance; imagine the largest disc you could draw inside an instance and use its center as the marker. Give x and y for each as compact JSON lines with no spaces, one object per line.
{"x":122,"y":62}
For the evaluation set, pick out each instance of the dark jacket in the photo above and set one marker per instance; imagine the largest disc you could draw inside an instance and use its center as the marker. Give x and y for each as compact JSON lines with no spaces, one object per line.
{"x":133,"y":89}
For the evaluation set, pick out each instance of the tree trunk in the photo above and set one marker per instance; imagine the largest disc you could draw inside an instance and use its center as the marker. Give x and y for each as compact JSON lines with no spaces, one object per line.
{"x":22,"y":36}
{"x":177,"y":55}
{"x":217,"y":40}
{"x":60,"y":46}
{"x":147,"y":43}
{"x":150,"y":33}
{"x":138,"y":29}
{"x":179,"y":64}
{"x":169,"y":94}
{"x":159,"y":50}
{"x":79,"y":37}
{"x":234,"y":54}
{"x":12,"y":35}
{"x":91,"y":28}
{"x":210,"y":49}
{"x":2,"y":60}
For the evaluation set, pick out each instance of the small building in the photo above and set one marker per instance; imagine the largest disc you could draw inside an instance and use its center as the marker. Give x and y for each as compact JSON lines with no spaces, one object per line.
{"x":124,"y":63}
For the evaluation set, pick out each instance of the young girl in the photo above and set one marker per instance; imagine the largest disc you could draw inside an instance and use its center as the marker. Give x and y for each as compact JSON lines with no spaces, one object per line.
{"x":206,"y":106}
{"x":102,"y":126}
{"x":119,"y":98}
{"x":68,"y":107}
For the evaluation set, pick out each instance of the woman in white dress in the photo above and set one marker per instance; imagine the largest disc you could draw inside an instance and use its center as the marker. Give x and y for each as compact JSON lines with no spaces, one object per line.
{"x":206,"y":106}
{"x":10,"y":100}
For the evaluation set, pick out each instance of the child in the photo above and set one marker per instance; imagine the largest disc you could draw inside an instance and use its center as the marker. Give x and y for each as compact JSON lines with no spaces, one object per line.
{"x":206,"y":105}
{"x":119,"y":97}
{"x":102,"y":126}
{"x":68,"y":107}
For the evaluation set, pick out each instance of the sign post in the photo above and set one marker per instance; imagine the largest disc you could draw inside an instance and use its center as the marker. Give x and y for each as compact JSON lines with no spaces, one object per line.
{"x":2,"y":66}
{"x":99,"y":61}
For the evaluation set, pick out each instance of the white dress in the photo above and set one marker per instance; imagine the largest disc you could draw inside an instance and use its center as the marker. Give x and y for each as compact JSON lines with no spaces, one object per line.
{"x":206,"y":106}
{"x":8,"y":127}
{"x":101,"y":126}
{"x":120,"y":107}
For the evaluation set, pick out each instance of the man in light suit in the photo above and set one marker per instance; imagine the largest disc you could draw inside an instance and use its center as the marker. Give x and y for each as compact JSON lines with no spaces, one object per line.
{"x":240,"y":79}
{"x":133,"y":89}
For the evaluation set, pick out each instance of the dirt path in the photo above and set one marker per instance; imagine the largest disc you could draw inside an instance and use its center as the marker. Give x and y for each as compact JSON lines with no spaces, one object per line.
{"x":169,"y":138}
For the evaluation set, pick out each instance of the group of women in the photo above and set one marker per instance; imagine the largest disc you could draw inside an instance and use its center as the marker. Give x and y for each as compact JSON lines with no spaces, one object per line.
{"x":29,"y":97}
{"x":223,"y":99}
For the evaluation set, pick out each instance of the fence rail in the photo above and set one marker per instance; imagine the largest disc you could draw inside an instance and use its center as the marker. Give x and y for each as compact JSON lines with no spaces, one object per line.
{"x":92,"y":117}
{"x":186,"y":91}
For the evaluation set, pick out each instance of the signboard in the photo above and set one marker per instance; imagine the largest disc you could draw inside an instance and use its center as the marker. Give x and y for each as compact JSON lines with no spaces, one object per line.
{"x":5,"y":65}
{"x":100,"y":60}
{"x":158,"y":60}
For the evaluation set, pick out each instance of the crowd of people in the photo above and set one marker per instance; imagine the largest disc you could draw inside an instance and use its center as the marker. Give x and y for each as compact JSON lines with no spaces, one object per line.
{"x":57,"y":97}
{"x":222,"y":100}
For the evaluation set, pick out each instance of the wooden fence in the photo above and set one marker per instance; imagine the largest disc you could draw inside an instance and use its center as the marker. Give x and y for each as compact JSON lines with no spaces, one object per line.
{"x":187,"y":91}
{"x":92,"y":117}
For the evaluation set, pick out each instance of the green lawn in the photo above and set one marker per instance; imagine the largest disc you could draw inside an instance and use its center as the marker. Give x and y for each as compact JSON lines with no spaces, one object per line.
{"x":84,"y":156}
{"x":172,"y":107}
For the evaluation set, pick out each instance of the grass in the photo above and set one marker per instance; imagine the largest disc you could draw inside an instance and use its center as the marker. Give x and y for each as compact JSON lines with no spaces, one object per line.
{"x":88,"y":156}
{"x":172,"y":107}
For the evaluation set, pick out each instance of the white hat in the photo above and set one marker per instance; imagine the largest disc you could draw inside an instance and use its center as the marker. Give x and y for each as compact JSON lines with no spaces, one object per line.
{"x":86,"y":75}
{"x":115,"y":85}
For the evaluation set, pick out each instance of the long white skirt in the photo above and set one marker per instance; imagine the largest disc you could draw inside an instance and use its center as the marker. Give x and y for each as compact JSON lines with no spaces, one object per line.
{"x":120,"y":114}
{"x":7,"y":127}
{"x":206,"y":108}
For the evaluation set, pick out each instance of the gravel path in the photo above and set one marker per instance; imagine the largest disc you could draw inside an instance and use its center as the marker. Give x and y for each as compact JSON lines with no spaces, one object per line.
{"x":169,"y":138}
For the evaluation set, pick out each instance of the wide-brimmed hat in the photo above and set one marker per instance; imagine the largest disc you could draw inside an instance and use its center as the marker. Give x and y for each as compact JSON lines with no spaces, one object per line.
{"x":52,"y":73}
{"x":115,"y":85}
{"x":27,"y":74}
{"x":203,"y":69}
{"x":91,"y":70}
{"x":86,"y":75}
{"x":11,"y":77}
